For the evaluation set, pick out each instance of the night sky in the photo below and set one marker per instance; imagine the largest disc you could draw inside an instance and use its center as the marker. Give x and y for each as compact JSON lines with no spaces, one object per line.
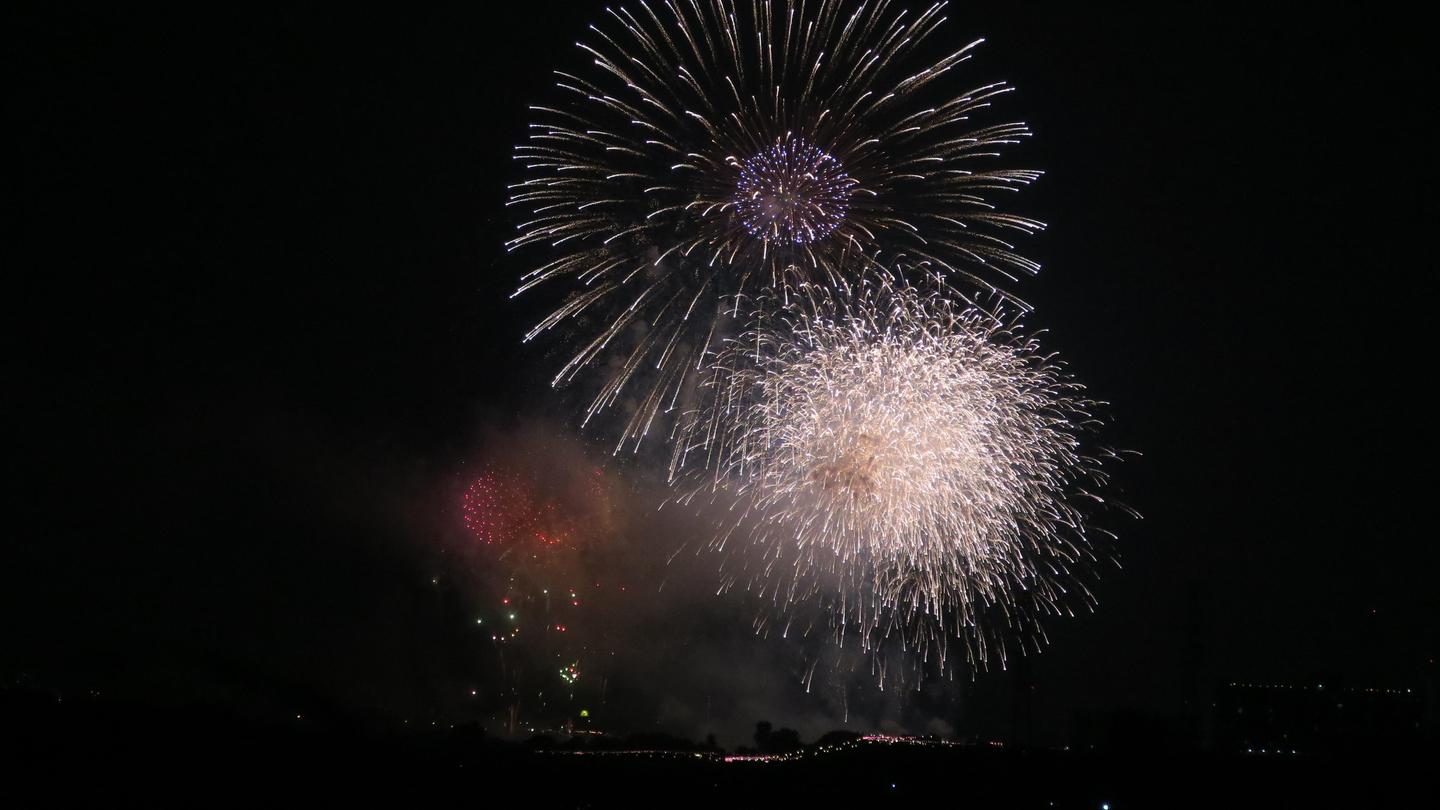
{"x":263,"y":332}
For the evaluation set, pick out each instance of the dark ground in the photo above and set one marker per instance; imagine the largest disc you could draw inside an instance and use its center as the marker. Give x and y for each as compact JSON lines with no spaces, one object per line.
{"x":108,"y":750}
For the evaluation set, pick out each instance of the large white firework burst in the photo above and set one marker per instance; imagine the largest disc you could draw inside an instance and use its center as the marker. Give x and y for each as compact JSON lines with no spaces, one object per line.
{"x":912,"y":466}
{"x":715,"y":149}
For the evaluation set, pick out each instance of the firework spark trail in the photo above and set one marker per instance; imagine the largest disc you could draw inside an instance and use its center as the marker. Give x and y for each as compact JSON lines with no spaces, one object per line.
{"x":909,"y":464}
{"x":713,"y":150}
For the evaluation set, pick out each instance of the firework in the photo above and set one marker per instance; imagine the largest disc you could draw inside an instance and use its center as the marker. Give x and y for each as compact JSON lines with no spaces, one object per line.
{"x":715,"y":150}
{"x":536,"y":527}
{"x":909,"y":464}
{"x":502,"y":508}
{"x":498,"y":508}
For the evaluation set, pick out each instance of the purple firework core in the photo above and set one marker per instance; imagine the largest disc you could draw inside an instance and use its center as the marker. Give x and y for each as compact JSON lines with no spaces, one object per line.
{"x":792,"y":192}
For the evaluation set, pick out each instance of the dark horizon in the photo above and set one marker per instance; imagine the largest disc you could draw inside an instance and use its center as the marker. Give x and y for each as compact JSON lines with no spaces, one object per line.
{"x":266,"y":338}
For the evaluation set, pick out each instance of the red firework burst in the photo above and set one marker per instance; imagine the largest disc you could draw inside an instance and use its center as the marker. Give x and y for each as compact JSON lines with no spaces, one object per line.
{"x":494,"y":507}
{"x":502,"y":508}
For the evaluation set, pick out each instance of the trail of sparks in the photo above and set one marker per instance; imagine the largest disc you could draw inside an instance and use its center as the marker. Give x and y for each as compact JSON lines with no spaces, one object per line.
{"x":910,"y":465}
{"x":713,"y":150}
{"x":734,"y":200}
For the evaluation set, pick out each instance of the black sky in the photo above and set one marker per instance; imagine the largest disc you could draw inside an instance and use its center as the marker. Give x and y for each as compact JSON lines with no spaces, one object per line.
{"x":260,"y":289}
